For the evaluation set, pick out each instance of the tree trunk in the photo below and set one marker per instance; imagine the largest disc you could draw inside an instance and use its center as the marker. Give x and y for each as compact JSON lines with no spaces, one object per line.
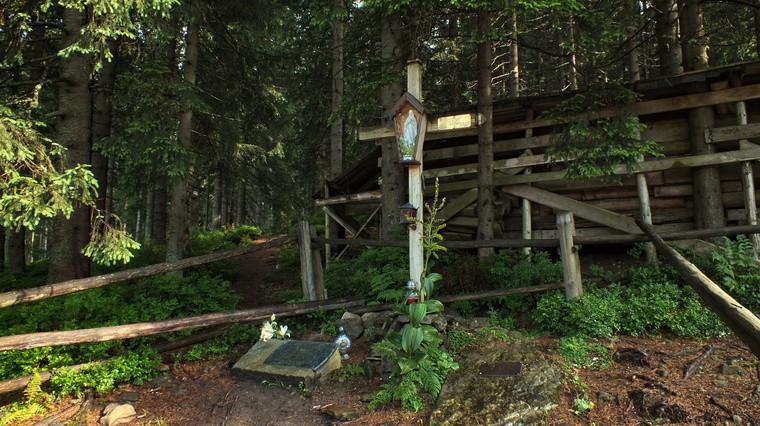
{"x":15,"y":255}
{"x":514,"y":59}
{"x":159,"y":211}
{"x":240,"y":206}
{"x":102,"y":107}
{"x":708,"y":203}
{"x":2,"y":248}
{"x":177,"y":226}
{"x":572,"y":69}
{"x":756,"y":22}
{"x":73,"y":132}
{"x":336,"y":129}
{"x":391,"y":169}
{"x":485,"y":134}
{"x":632,"y":58}
{"x":216,"y":202}
{"x":666,"y":31}
{"x":148,"y":227}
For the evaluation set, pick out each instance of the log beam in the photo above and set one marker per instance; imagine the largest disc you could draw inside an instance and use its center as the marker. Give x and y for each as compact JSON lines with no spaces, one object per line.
{"x":15,"y":297}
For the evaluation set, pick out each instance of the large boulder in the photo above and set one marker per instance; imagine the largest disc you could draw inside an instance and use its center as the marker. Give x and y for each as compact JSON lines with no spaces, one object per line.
{"x":377,"y":324}
{"x":118,"y":414}
{"x":352,"y":323}
{"x":517,"y":400}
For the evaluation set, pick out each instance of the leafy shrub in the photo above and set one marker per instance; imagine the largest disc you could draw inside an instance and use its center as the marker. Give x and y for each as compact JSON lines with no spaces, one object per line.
{"x":646,"y":299}
{"x":150,"y":299}
{"x":378,"y":273}
{"x":223,"y":239}
{"x":134,"y":367}
{"x":220,"y":346}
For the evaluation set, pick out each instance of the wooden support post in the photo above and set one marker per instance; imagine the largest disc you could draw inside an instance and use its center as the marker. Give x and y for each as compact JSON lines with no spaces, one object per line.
{"x":748,"y":184}
{"x":327,"y":230}
{"x":527,"y":220}
{"x":320,"y":292}
{"x":571,"y":264}
{"x":307,"y":265}
{"x":645,"y":209}
{"x":416,"y":196}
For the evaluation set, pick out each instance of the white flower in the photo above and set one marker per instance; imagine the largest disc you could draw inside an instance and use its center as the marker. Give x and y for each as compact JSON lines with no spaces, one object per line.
{"x":283,"y":332}
{"x":272,"y":318}
{"x":267,"y":332}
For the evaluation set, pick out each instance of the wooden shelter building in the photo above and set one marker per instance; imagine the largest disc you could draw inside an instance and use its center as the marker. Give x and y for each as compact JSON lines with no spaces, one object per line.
{"x":530,"y":190}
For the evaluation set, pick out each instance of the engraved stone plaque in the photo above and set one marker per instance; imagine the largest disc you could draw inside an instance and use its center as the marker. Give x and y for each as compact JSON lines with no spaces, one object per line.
{"x":301,"y":354}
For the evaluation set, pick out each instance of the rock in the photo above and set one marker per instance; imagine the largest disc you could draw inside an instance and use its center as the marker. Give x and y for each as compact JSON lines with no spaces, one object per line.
{"x":603,"y":396}
{"x":118,"y":414}
{"x":652,"y":404}
{"x":164,"y":368}
{"x":454,"y":318}
{"x":525,"y":398}
{"x":339,"y":412}
{"x":631,"y":356}
{"x":129,"y":396}
{"x":476,"y":322}
{"x":731,"y":368}
{"x":438,"y":321}
{"x":366,"y":397}
{"x":662,"y":372}
{"x":376,"y":325}
{"x":352,"y":323}
{"x":737,"y":419}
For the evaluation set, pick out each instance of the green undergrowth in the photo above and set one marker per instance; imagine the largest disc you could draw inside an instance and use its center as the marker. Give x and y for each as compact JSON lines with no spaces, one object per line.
{"x":199,"y":291}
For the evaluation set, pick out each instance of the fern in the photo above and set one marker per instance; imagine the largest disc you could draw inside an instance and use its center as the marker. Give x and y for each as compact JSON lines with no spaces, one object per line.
{"x":33,"y":392}
{"x":18,"y":413}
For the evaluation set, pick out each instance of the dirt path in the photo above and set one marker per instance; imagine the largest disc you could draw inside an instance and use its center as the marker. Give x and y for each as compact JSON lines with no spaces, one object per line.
{"x":255,"y":281}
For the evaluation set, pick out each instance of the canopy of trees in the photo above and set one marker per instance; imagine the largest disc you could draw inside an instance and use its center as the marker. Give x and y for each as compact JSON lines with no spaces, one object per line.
{"x":127,"y":122}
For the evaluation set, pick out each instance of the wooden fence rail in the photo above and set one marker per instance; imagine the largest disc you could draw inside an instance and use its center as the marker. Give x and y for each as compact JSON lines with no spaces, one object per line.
{"x":15,"y":297}
{"x":551,"y":242}
{"x":738,"y":318}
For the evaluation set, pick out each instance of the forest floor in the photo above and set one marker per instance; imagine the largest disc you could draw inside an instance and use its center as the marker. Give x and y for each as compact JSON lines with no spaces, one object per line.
{"x":633,"y":390}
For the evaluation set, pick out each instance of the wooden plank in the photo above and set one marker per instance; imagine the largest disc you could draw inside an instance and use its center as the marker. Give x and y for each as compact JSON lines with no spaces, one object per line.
{"x":349,"y":198}
{"x":504,"y":145}
{"x":584,"y":210}
{"x":719,"y":158}
{"x":445,"y":124}
{"x":306,"y":261}
{"x":342,"y":222}
{"x":738,"y":318}
{"x":318,"y":274}
{"x":571,"y":264}
{"x":361,"y":228}
{"x":732,"y":133}
{"x":656,"y":106}
{"x":748,"y":180}
{"x":15,"y":297}
{"x":505,"y":164}
{"x":452,"y":208}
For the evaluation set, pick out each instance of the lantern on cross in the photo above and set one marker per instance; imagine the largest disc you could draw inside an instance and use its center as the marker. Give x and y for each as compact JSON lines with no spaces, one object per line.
{"x":409,"y":124}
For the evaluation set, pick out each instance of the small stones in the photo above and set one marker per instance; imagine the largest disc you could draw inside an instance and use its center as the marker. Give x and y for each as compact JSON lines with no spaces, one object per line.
{"x":662,"y":372}
{"x":731,"y":368}
{"x":352,"y":323}
{"x":129,"y":396}
{"x":603,"y":396}
{"x":631,"y":356}
{"x":339,"y":412}
{"x":117,"y":414}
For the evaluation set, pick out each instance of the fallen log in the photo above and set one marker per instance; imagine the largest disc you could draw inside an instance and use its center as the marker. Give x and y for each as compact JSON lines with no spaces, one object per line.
{"x":15,"y":297}
{"x":128,"y":331}
{"x":738,"y":318}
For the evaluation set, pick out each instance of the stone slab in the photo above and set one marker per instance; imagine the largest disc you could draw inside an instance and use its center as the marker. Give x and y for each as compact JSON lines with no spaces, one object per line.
{"x":290,"y":361}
